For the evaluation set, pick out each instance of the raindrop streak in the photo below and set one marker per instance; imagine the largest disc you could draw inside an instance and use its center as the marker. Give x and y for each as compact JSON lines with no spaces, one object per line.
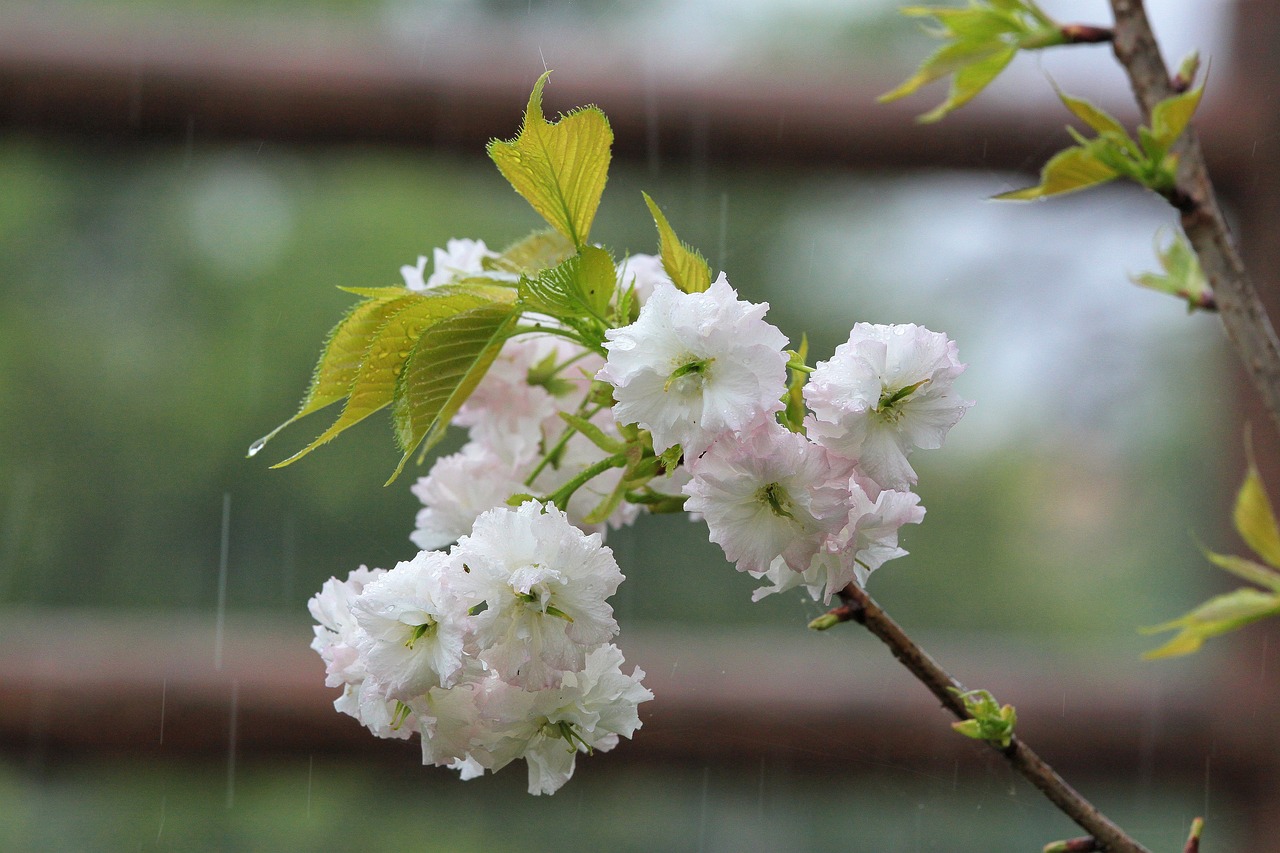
{"x":289,"y":555}
{"x":222,"y":581}
{"x":191,"y":143}
{"x":651,"y":138}
{"x":1205,"y":812}
{"x":760,"y":797}
{"x":160,"y":829}
{"x":724,"y":230}
{"x":164,"y":689}
{"x":702,"y":819}
{"x":231,"y":743}
{"x":21,"y":491}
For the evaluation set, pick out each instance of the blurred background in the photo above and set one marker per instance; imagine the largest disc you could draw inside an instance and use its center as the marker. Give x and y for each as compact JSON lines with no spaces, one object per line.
{"x":183,"y":188}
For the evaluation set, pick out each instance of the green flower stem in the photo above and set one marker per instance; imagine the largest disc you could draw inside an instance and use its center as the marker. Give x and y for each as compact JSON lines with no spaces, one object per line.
{"x":558,"y":447}
{"x":560,"y":497}
{"x":859,"y":607}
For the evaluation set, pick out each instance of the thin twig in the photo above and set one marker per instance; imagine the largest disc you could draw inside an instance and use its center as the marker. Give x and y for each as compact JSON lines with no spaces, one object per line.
{"x":859,"y":607}
{"x":1237,"y":298}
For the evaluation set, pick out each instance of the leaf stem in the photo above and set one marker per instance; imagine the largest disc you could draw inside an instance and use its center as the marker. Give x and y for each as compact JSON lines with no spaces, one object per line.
{"x":560,"y":497}
{"x":859,"y":607}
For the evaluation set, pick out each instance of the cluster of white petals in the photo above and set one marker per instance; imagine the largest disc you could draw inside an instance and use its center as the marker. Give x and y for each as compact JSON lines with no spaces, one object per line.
{"x":695,"y":365}
{"x":458,"y":260}
{"x":819,"y":509}
{"x":495,"y":650}
{"x":513,"y":421}
{"x":501,"y":647}
{"x":886,"y":391}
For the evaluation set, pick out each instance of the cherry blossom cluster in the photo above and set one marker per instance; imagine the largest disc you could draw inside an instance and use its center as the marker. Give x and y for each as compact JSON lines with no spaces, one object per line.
{"x":518,"y":442}
{"x":817,"y":503}
{"x":501,"y":647}
{"x":495,"y":650}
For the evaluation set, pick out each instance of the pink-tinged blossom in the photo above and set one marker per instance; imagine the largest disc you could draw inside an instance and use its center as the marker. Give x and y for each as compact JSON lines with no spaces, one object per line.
{"x":514,"y":408}
{"x":867,"y":540}
{"x":336,"y":630}
{"x":368,"y":703}
{"x":589,"y":711}
{"x":884,"y":392}
{"x":457,"y":489}
{"x":414,"y":626}
{"x":643,"y":273}
{"x":768,"y":493}
{"x":543,"y":583}
{"x":695,"y":365}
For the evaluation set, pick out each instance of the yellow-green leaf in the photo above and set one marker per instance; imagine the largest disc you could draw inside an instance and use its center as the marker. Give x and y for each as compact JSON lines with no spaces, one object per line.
{"x":969,"y":81}
{"x":1170,"y":117}
{"x":1256,"y":520}
{"x":1218,"y":615}
{"x":340,"y":359}
{"x":945,"y":60}
{"x":1183,"y":277}
{"x":1247,"y":569}
{"x":375,"y":380}
{"x":687,"y":269}
{"x":539,"y":251}
{"x":579,"y":288}
{"x":447,"y":363}
{"x":1096,"y":117}
{"x":1073,"y":169}
{"x":559,"y":167}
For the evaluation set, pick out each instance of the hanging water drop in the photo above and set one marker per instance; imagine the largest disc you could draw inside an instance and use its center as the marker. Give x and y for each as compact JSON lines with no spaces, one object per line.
{"x":258,"y":445}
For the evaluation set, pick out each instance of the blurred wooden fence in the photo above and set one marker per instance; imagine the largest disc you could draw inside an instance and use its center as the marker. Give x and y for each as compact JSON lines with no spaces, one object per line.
{"x":145,"y":684}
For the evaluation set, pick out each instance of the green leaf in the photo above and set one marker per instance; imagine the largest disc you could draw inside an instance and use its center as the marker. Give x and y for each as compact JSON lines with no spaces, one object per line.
{"x":990,"y":720}
{"x":535,"y":253}
{"x":1182,"y":276}
{"x":947,"y":59}
{"x":1247,"y":569}
{"x":687,"y":268}
{"x":560,"y":168}
{"x":982,"y":39}
{"x":579,"y":288}
{"x":446,"y":365}
{"x":1073,"y":169}
{"x":1256,"y":520}
{"x":1218,"y":615}
{"x":969,"y":81}
{"x":1096,"y":117}
{"x":1170,"y":117}
{"x":343,"y":351}
{"x":382,"y":362}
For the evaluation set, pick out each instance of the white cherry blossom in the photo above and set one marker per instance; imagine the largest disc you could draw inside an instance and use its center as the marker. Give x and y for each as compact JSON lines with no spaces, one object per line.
{"x":414,"y":627}
{"x":884,"y":392}
{"x":768,"y":493}
{"x":543,"y":583}
{"x":695,"y":365}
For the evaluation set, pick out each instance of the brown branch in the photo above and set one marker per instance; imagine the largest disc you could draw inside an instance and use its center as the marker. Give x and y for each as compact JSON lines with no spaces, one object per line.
{"x":859,"y":607}
{"x":1085,"y":34}
{"x":1088,"y":844}
{"x":1237,"y":298}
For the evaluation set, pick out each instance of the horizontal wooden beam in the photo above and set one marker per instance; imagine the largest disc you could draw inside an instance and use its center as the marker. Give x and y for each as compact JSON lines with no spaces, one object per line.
{"x":169,"y":81}
{"x":85,"y":682}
